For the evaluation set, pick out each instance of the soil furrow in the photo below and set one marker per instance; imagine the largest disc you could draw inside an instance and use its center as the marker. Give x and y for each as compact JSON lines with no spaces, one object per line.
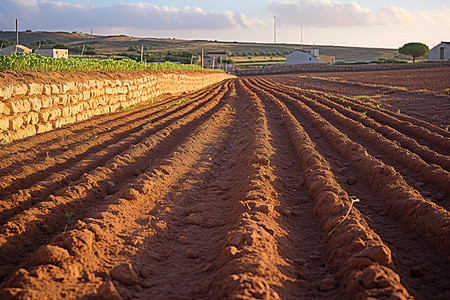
{"x":405,"y":202}
{"x":303,"y":245}
{"x":47,"y":217}
{"x":413,"y":105}
{"x":412,"y":259}
{"x":262,"y":187}
{"x":427,"y":154}
{"x":412,"y":164}
{"x":356,"y":252}
{"x":71,"y":135}
{"x":421,"y":134}
{"x":42,"y":188}
{"x":130,"y":209}
{"x":52,"y":162}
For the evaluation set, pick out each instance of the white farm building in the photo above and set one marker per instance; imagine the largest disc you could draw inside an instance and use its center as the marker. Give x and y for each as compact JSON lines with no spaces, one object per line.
{"x":300,"y":57}
{"x":14,"y":49}
{"x":54,"y":53}
{"x":440,"y":52}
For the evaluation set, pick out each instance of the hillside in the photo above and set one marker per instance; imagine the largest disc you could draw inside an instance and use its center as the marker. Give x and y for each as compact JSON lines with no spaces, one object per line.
{"x":159,"y":48}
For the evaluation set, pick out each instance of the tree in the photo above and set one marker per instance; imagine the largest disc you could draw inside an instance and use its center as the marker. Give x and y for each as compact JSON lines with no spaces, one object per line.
{"x":60,"y":46}
{"x":5,"y":43}
{"x":414,"y":49}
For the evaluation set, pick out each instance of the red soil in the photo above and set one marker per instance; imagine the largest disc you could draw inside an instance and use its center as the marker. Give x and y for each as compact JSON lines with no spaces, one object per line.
{"x":258,"y":188}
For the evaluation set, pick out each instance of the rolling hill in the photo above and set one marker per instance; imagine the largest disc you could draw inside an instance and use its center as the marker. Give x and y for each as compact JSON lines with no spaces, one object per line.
{"x":124,"y":45}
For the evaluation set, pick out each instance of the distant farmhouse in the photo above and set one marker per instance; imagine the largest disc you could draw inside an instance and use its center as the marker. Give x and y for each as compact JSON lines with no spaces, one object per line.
{"x":440,"y":52}
{"x":212,"y":60}
{"x":54,"y":53}
{"x":301,"y":57}
{"x":14,"y":49}
{"x":308,"y":57}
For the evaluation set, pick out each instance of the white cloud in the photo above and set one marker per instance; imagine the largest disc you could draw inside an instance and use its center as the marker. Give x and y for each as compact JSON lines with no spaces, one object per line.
{"x":332,"y":13}
{"x":51,"y":15}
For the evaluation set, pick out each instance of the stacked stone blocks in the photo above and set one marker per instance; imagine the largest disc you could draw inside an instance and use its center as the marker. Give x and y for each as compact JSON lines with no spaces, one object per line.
{"x":32,"y":108}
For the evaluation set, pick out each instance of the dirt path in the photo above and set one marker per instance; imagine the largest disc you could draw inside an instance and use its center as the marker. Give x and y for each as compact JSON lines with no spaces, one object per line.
{"x":250,"y":189}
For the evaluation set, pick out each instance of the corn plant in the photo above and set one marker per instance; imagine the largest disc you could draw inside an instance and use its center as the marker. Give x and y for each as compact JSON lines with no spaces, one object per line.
{"x":34,"y":62}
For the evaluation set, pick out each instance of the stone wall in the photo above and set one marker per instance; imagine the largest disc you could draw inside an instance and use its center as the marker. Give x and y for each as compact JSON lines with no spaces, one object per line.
{"x":28,"y":108}
{"x":283,"y":68}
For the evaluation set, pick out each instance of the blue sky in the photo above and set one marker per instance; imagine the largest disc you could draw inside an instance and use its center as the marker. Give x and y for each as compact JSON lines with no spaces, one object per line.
{"x":369,"y":23}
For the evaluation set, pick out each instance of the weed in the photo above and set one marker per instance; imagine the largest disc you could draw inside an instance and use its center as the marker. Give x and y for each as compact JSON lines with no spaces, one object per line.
{"x":398,"y":110}
{"x":233,"y":93}
{"x":91,"y":138}
{"x":365,"y":113}
{"x":360,"y":97}
{"x":378,"y":106}
{"x":146,"y":125}
{"x":176,"y":103}
{"x":38,"y":186}
{"x":122,"y":109}
{"x":349,"y":107}
{"x":69,"y":216}
{"x":47,"y":156}
{"x":232,"y":108}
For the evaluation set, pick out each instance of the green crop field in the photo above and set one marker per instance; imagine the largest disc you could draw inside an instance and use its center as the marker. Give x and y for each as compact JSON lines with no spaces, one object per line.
{"x":34,"y":62}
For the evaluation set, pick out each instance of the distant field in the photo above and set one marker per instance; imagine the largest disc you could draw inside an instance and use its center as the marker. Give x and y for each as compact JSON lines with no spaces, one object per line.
{"x":257,"y":60}
{"x":106,"y":46}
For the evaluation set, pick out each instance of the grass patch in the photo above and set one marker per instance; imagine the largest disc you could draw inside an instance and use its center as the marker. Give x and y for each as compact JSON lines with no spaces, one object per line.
{"x":360,"y":97}
{"x":92,"y":138}
{"x":176,"y":103}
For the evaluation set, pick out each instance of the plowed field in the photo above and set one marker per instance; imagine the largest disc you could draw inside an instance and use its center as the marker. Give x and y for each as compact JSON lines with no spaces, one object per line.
{"x":268,"y":187}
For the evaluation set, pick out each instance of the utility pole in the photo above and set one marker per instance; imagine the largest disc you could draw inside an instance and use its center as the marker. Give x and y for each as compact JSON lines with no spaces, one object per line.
{"x":17,"y":33}
{"x":203,"y":55}
{"x":142,"y":53}
{"x":274,"y":29}
{"x":17,"y":36}
{"x":301,"y":37}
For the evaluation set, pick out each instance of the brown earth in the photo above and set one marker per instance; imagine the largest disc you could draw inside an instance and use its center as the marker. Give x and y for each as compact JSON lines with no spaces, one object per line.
{"x":270,"y":187}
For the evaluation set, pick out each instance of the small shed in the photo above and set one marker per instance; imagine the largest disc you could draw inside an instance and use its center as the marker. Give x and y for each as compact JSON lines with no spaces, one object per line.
{"x":440,"y":52}
{"x":14,"y":49}
{"x":300,"y":57}
{"x":211,"y":59}
{"x":326,"y":59}
{"x":53,"y":53}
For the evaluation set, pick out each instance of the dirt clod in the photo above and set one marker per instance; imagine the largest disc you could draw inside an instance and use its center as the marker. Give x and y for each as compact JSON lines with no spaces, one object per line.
{"x":191,"y":253}
{"x":49,"y":254}
{"x":183,"y":239}
{"x":124,"y":273}
{"x":327,"y":283}
{"x":417,"y":271}
{"x":107,"y":291}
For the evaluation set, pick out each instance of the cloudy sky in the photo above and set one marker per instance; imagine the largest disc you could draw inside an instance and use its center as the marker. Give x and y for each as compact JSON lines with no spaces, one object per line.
{"x":379,"y":23}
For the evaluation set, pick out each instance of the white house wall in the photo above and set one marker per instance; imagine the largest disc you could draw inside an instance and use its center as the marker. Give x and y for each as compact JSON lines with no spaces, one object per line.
{"x":300,"y":57}
{"x":435,"y":53}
